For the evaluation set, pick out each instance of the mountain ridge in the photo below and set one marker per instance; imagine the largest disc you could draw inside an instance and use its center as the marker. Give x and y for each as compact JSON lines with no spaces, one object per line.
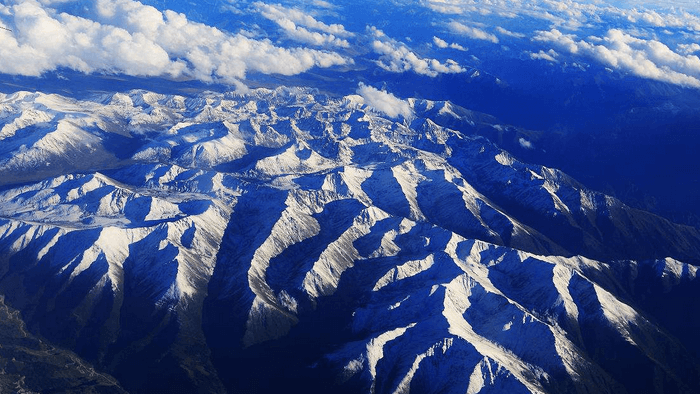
{"x":207,"y":231}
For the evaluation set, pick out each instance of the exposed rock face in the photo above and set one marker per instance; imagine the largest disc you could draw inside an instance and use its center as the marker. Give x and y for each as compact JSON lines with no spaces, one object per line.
{"x":29,"y":365}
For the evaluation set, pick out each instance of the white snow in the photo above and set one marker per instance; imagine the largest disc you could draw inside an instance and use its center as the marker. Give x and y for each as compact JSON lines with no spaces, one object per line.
{"x":315,"y":152}
{"x":406,"y":270}
{"x":505,"y":159}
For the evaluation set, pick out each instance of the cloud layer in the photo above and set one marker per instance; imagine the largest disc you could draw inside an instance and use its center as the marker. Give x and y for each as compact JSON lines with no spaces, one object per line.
{"x":619,"y":50}
{"x":128,"y":37}
{"x":125,"y":36}
{"x":574,"y":14}
{"x":629,"y":36}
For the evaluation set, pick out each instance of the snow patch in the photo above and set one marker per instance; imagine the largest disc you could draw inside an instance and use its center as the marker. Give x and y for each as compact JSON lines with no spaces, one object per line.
{"x":505,"y":159}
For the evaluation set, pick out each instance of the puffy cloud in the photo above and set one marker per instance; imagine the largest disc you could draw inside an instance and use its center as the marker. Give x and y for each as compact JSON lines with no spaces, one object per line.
{"x":276,"y":12}
{"x":397,"y":57}
{"x":302,"y":34}
{"x":564,"y":41}
{"x":471,"y":32}
{"x":654,"y":18}
{"x":525,"y":143}
{"x":550,"y":56}
{"x":509,"y":33}
{"x":687,"y":49}
{"x":41,"y":41}
{"x":440,"y":43}
{"x":384,"y":102}
{"x":131,"y":38}
{"x":294,"y":24}
{"x":644,"y":58}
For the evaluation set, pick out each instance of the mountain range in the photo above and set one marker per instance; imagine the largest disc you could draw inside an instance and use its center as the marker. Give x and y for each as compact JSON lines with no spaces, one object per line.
{"x":282,"y":238}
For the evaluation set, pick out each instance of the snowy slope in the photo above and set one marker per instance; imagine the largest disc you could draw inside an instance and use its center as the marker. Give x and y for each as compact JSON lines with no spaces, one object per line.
{"x":213,"y":240}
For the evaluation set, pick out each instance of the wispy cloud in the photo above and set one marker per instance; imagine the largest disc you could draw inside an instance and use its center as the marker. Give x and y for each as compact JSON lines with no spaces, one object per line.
{"x":550,"y":56}
{"x":471,"y":32}
{"x":576,"y":14}
{"x":679,"y":19}
{"x":384,"y":102}
{"x":323,"y":4}
{"x":509,"y":33}
{"x":303,"y":27}
{"x":301,"y":18}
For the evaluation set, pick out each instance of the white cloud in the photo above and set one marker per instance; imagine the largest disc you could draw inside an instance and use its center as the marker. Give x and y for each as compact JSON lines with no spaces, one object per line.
{"x":501,"y":8}
{"x":294,"y":23}
{"x":525,"y":143}
{"x":397,"y":57}
{"x":458,"y":47}
{"x":444,"y":7}
{"x":384,"y":102}
{"x":687,"y":49}
{"x":670,"y":19}
{"x":440,"y":43}
{"x":131,"y":38}
{"x":550,"y":56}
{"x":303,"y":35}
{"x":509,"y":33}
{"x":322,"y":4}
{"x":275,"y":12}
{"x":645,"y":58}
{"x":577,"y":14}
{"x":471,"y":32}
{"x":41,"y":41}
{"x":564,"y":41}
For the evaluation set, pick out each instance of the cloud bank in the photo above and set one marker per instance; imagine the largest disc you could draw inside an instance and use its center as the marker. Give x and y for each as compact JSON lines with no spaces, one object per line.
{"x":128,"y":37}
{"x":397,"y":57}
{"x":644,"y":58}
{"x":574,"y":14}
{"x":300,"y":26}
{"x":125,"y":36}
